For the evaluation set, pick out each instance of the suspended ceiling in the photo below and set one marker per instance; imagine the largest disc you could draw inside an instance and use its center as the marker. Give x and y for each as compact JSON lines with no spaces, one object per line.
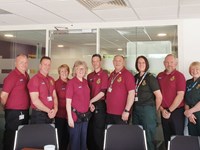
{"x":26,"y":12}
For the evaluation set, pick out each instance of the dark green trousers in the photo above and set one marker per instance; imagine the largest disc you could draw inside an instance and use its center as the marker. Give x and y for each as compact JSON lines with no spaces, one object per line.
{"x":194,"y":129}
{"x":146,"y":117}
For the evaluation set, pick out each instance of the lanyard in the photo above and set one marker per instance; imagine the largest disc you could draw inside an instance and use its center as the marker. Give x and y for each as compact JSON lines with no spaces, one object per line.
{"x":191,"y":86}
{"x":138,"y":85}
{"x":113,"y":78}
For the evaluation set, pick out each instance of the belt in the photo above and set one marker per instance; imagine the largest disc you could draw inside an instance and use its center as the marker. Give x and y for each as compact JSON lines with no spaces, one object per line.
{"x":36,"y":109}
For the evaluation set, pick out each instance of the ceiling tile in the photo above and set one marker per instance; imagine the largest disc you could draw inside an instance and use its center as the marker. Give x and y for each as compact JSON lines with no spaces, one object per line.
{"x":191,"y":11}
{"x":157,"y":13}
{"x":70,"y":10}
{"x":32,"y":12}
{"x":190,"y":2}
{"x":153,"y":3}
{"x":11,"y":19}
{"x":125,"y":14}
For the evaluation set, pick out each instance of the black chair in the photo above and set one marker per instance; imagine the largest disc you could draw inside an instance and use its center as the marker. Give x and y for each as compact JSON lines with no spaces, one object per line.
{"x":125,"y":137}
{"x":35,"y":136}
{"x":179,"y":142}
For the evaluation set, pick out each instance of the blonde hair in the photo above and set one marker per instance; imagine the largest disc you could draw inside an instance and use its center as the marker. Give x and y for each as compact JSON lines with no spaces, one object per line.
{"x":77,"y":64}
{"x":195,"y":64}
{"x":63,"y":66}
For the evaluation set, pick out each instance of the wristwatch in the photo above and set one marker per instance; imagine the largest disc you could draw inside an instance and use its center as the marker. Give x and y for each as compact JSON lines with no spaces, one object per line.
{"x":125,"y":110}
{"x":167,"y":109}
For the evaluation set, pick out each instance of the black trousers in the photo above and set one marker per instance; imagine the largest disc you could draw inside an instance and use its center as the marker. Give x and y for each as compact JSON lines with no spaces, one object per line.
{"x":114,"y":119}
{"x":40,"y":117}
{"x":12,"y":121}
{"x":96,"y":127}
{"x":174,"y":125}
{"x":63,"y":132}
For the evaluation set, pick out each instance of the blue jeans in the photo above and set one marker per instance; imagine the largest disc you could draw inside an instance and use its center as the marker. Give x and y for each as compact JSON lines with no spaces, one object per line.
{"x":78,"y":136}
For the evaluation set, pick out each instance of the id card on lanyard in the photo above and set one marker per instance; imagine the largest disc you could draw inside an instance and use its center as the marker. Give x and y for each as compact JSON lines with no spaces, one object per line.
{"x":112,"y":81}
{"x":49,"y":97}
{"x":138,"y":85}
{"x":191,"y":86}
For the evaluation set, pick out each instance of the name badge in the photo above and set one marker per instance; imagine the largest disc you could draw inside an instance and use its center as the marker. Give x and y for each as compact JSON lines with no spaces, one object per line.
{"x":109,"y":89}
{"x":49,"y":98}
{"x":21,"y":116}
{"x":136,"y":99}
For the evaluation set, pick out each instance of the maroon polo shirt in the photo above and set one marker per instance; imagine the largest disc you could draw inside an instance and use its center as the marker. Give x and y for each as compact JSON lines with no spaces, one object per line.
{"x":98,"y":82}
{"x":44,"y":86}
{"x":170,"y":84}
{"x":79,"y":92}
{"x":16,"y":85}
{"x":60,"y":86}
{"x":123,"y":82}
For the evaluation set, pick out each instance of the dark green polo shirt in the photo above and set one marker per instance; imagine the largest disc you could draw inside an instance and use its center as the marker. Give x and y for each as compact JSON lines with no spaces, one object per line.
{"x":146,"y":89}
{"x":192,"y":95}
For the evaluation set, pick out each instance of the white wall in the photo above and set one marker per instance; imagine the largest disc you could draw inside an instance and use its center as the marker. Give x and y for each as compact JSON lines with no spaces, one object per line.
{"x":189,"y":44}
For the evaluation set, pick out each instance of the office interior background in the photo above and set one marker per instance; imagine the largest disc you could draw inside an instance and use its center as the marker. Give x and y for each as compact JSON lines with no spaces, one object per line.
{"x":69,"y":30}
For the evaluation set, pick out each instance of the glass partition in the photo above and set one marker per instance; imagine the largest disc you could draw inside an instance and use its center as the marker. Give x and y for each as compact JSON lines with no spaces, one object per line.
{"x":67,"y":46}
{"x":12,"y":43}
{"x":135,"y":41}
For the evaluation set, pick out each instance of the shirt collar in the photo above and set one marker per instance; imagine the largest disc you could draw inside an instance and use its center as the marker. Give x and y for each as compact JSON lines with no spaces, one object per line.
{"x":42,"y":76}
{"x":170,"y":73}
{"x":19,"y":73}
{"x":99,"y":72}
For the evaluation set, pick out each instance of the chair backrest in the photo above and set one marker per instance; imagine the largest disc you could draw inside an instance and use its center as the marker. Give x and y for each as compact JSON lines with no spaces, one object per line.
{"x":35,"y":136}
{"x":179,"y":142}
{"x":125,"y":137}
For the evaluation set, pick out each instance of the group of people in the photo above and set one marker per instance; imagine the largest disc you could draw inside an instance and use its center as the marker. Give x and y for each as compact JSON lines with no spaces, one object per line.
{"x":82,"y":107}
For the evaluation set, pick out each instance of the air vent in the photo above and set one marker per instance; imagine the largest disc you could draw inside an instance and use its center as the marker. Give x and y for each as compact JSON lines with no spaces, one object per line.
{"x":104,"y":4}
{"x":2,"y":12}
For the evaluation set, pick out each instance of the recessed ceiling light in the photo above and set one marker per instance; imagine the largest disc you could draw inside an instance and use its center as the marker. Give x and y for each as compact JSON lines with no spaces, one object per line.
{"x":119,"y":49}
{"x":60,"y":45}
{"x":161,"y":34}
{"x":8,"y":35}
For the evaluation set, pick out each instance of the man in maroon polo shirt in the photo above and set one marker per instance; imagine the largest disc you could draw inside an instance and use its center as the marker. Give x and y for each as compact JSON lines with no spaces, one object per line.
{"x":120,"y":93}
{"x":98,"y":83}
{"x":172,"y":85}
{"x":41,"y":87}
{"x":15,"y":100}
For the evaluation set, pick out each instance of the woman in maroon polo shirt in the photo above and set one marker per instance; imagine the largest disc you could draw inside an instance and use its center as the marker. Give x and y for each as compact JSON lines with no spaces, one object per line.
{"x":78,"y":97}
{"x":60,"y":119}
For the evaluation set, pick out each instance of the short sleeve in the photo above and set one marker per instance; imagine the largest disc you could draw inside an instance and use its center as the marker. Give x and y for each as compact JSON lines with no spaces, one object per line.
{"x":9,"y":83}
{"x":130,"y":81}
{"x":33,"y":85}
{"x":69,"y":90}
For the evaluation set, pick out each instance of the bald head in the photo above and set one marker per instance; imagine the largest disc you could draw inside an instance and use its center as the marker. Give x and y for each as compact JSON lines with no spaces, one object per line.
{"x":170,"y":63}
{"x":21,"y":63}
{"x":118,"y":62}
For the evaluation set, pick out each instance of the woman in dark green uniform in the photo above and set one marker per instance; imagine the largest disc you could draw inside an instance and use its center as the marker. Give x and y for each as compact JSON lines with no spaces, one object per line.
{"x":147,"y":100}
{"x":192,"y":98}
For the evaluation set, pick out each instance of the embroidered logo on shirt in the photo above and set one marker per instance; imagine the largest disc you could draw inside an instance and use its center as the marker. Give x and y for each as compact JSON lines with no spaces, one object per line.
{"x":98,"y":81}
{"x":172,"y":78}
{"x":119,"y":79}
{"x":21,"y":80}
{"x":144,"y":83}
{"x":198,"y":86}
